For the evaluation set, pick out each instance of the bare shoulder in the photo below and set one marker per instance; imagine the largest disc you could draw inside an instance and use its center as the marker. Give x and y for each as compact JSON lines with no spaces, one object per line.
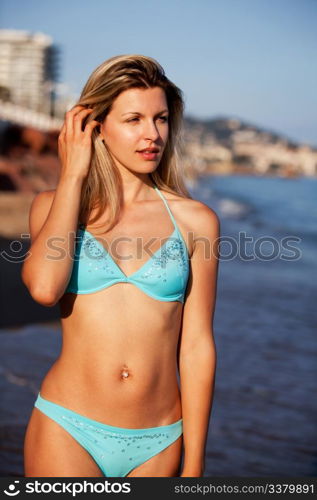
{"x":39,"y":211}
{"x":204,"y":220}
{"x":195,"y":215}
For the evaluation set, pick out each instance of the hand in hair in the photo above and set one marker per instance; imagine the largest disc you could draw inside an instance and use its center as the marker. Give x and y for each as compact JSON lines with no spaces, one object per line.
{"x":74,"y":143}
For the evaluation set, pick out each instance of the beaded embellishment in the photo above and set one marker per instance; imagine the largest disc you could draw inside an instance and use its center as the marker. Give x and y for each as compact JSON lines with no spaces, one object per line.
{"x":122,"y":439}
{"x":172,"y":249}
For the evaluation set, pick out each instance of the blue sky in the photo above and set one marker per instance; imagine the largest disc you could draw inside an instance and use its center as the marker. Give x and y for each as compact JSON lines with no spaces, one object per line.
{"x":251,"y":59}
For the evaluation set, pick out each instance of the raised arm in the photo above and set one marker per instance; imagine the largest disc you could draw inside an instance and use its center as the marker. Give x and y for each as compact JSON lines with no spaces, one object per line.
{"x":52,"y":221}
{"x":197,"y":351}
{"x":54,"y":214}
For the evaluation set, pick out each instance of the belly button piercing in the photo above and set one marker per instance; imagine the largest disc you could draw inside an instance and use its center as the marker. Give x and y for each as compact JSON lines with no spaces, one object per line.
{"x":125,"y":374}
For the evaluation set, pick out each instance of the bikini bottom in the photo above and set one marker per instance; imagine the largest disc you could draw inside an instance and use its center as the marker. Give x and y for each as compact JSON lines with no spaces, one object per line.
{"x":116,"y":450}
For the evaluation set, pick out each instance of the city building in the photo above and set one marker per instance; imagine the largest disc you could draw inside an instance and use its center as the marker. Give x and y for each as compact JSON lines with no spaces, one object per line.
{"x":28,"y":70}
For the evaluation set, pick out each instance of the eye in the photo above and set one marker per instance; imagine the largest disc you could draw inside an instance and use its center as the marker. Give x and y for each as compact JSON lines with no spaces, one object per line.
{"x":164,"y":118}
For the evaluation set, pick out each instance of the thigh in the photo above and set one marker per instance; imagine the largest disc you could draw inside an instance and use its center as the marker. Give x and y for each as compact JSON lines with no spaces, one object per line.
{"x":51,"y":451}
{"x":164,"y":464}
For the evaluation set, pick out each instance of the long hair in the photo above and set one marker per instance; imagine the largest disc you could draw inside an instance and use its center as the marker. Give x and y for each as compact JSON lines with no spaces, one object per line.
{"x":102,"y":187}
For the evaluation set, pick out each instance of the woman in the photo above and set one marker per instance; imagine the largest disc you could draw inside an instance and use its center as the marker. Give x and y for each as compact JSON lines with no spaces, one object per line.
{"x":111,"y":405}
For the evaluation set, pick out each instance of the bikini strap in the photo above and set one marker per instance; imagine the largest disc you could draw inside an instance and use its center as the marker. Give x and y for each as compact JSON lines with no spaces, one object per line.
{"x":168,"y":208}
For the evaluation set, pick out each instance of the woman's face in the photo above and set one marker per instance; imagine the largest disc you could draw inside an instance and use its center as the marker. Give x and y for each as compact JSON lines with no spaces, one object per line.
{"x":138,"y":120}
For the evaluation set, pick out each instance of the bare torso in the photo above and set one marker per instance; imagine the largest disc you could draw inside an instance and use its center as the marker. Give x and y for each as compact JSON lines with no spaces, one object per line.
{"x":118,"y":362}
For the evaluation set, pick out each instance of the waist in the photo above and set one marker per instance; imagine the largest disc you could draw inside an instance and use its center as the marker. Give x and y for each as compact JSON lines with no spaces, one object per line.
{"x":142,"y":397}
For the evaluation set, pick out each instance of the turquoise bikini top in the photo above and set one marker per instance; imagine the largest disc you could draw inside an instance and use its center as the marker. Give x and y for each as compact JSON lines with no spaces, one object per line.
{"x":163,"y":277}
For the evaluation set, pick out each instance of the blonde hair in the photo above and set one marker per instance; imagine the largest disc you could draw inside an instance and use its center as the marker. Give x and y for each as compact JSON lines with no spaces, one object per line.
{"x":102,"y":187}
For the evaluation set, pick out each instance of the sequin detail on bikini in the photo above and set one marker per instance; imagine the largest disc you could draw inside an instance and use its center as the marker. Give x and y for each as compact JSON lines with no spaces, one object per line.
{"x":121,"y":439}
{"x":94,"y":252}
{"x":115,"y":435}
{"x":173,"y":250}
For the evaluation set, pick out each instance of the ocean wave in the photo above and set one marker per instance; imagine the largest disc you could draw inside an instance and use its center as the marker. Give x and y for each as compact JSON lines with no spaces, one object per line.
{"x":233,"y":208}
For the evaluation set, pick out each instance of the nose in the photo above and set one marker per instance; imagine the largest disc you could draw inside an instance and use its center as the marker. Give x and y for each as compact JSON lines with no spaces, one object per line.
{"x":151,"y":131}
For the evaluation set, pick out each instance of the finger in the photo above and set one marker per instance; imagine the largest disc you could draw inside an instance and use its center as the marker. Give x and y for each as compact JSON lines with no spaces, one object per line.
{"x":69,"y":119}
{"x":69,"y":124}
{"x":61,"y":135}
{"x":77,"y":108}
{"x":78,"y":120}
{"x":90,"y":126}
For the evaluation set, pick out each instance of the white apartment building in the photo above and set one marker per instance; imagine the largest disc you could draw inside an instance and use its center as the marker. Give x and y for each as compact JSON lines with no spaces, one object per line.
{"x":28,"y":69}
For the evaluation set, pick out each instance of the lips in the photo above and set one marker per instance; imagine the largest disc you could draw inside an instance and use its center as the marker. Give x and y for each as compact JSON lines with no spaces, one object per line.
{"x":149,"y":154}
{"x":149,"y":150}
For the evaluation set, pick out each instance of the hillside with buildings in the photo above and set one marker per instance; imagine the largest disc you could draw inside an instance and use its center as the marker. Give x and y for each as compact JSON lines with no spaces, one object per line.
{"x":231,"y":146}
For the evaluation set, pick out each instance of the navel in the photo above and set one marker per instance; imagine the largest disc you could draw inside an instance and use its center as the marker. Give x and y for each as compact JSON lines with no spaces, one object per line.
{"x":125,"y":372}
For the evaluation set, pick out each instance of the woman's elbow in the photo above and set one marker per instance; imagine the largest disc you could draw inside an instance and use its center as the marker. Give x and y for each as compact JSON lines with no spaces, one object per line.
{"x":40,"y":295}
{"x":38,"y":292}
{"x":44,"y":298}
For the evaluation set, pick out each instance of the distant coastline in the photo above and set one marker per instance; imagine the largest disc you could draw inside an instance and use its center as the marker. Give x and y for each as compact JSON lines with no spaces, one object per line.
{"x":229,"y":146}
